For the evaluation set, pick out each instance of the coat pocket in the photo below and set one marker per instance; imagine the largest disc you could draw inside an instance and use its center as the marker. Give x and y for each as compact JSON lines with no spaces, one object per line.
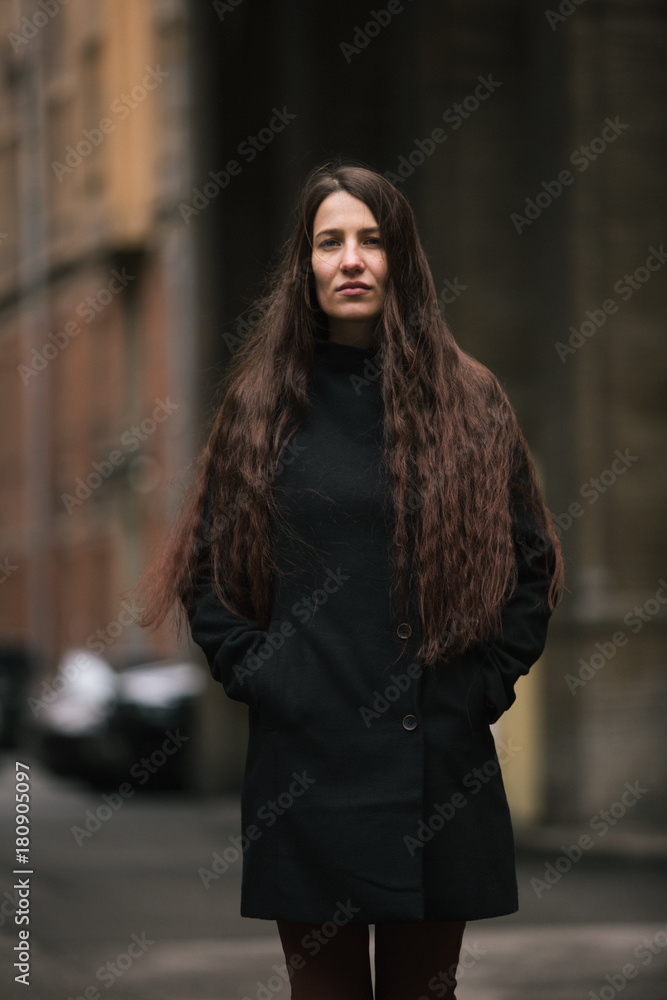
{"x":480,"y":710}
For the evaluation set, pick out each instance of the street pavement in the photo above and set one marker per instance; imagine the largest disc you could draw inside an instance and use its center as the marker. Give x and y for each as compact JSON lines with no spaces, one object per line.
{"x":120,"y":908}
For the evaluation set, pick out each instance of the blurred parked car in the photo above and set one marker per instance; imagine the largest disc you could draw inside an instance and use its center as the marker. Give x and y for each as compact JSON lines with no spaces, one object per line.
{"x":132,"y":721}
{"x":17,"y":668}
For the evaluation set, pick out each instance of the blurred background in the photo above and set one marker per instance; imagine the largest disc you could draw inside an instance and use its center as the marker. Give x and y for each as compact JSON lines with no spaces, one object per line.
{"x":150,"y":156}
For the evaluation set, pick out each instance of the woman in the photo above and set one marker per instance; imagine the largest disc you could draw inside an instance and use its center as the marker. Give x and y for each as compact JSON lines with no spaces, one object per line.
{"x":366,"y":560}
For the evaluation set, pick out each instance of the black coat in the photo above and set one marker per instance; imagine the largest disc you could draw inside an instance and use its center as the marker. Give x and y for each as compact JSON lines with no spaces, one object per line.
{"x":372,"y":783}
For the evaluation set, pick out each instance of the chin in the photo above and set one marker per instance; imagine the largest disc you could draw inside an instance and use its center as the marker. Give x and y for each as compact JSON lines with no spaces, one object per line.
{"x":355,"y":314}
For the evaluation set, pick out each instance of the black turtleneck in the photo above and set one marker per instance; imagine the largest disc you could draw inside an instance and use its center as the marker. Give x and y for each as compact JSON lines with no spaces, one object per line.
{"x":330,"y":485}
{"x":346,"y":357}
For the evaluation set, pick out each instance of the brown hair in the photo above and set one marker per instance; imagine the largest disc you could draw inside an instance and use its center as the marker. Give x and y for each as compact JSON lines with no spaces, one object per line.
{"x":452,"y":446}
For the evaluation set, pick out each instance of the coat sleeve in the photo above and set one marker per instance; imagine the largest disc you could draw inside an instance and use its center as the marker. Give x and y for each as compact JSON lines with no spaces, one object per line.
{"x":524,"y":618}
{"x":229,"y":642}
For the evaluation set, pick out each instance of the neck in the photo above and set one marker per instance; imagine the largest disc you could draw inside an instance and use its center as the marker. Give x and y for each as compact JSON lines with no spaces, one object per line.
{"x":358,"y":333}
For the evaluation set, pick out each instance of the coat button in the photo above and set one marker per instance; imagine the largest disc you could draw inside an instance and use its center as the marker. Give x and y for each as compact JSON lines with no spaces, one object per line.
{"x":404,"y":630}
{"x":409,"y":722}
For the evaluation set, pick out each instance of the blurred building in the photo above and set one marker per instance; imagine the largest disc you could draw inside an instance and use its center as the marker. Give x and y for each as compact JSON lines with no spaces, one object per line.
{"x":150,"y":156}
{"x":96,"y":314}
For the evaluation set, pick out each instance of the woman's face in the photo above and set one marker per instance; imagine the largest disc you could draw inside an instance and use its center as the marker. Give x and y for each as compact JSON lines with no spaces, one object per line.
{"x":349,"y":262}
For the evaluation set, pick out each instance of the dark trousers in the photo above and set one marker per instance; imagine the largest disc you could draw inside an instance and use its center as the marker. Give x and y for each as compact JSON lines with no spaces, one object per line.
{"x":413,"y":961}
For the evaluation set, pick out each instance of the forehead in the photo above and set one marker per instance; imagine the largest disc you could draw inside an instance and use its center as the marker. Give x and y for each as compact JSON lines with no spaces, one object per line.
{"x":342,"y":210}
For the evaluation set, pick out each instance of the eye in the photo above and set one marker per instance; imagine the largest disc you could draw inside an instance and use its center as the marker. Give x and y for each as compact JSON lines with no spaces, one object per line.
{"x":375,"y":239}
{"x":324,"y":243}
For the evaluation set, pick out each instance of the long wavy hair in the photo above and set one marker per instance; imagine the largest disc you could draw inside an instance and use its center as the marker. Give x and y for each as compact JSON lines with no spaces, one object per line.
{"x":451,"y":445}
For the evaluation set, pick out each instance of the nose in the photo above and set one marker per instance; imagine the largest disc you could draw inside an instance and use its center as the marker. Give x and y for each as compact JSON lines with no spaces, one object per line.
{"x":351,"y":258}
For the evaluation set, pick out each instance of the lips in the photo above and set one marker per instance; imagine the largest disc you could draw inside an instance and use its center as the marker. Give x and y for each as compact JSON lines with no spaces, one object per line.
{"x":353,"y":288}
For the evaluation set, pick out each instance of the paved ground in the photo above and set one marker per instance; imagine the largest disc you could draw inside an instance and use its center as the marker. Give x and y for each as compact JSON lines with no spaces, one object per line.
{"x":133,"y":886}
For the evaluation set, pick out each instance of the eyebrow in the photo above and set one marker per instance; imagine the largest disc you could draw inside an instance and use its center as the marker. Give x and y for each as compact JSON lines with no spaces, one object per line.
{"x":366,"y":229}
